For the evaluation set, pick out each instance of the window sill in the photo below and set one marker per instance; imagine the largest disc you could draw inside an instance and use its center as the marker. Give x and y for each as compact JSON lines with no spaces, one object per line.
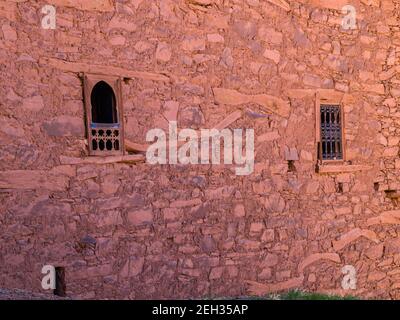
{"x":129,"y":159}
{"x":343,"y":168}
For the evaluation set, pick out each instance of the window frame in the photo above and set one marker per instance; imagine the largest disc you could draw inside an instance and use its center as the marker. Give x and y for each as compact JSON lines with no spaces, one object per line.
{"x":89,"y":82}
{"x":321,"y":99}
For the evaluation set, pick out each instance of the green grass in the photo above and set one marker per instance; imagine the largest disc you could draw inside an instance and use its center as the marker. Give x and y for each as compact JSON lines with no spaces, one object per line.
{"x":300,"y":295}
{"x":290,"y":295}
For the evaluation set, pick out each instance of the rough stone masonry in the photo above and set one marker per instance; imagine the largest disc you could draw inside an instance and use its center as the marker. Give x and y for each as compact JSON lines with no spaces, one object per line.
{"x":123,"y":228}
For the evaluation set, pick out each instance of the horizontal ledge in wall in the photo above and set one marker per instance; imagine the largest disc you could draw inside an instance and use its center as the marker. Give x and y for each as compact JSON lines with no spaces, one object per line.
{"x":325,"y":95}
{"x":89,"y":5}
{"x":129,"y":159}
{"x":135,"y":147}
{"x":342,"y":168}
{"x":79,"y":67}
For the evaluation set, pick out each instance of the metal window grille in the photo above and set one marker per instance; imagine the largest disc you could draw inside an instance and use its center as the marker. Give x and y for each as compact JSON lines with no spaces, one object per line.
{"x":331,"y":133}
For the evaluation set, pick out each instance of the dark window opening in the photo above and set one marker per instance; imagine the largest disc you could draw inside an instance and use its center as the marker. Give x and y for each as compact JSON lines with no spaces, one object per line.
{"x":61,"y":287}
{"x":94,"y":145}
{"x":376,"y":186}
{"x":104,"y":109}
{"x":331,"y":133}
{"x":393,"y":195}
{"x":101,"y":145}
{"x":340,"y":187}
{"x":291,"y":166}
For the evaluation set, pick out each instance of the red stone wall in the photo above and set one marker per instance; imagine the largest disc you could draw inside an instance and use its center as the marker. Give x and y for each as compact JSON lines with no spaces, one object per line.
{"x":143,"y":231}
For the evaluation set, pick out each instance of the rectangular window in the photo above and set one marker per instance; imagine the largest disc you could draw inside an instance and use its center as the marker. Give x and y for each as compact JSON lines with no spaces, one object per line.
{"x":330,"y":127}
{"x":331,"y":145}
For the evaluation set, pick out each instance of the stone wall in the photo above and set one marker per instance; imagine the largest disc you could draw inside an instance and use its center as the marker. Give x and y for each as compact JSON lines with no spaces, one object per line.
{"x":124,"y":230}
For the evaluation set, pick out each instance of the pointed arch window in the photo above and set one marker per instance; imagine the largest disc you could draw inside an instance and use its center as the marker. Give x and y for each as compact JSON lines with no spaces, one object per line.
{"x":104,"y":104}
{"x":104,"y":116}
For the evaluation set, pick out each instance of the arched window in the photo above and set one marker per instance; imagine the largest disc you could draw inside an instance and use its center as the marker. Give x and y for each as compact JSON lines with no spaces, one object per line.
{"x":104,"y":115}
{"x":104,"y":108}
